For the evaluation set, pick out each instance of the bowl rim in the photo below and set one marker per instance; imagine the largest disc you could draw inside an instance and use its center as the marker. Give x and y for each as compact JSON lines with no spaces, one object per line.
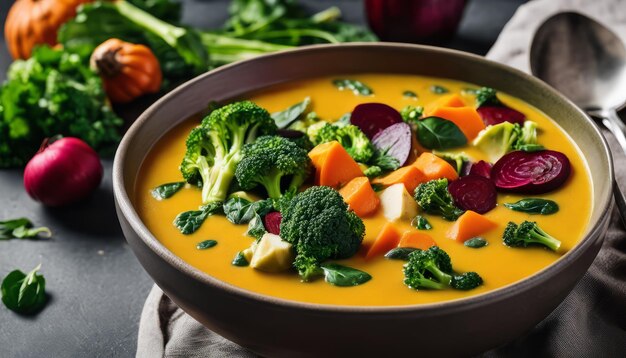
{"x":127,"y":209}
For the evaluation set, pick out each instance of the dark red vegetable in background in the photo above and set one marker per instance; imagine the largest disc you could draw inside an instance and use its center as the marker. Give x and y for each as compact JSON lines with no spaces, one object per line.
{"x":63,"y":172}
{"x":492,"y":115}
{"x":372,"y":118}
{"x":271,"y":221}
{"x":481,"y":168}
{"x":531,"y":172}
{"x":474,"y":192}
{"x":395,"y":141}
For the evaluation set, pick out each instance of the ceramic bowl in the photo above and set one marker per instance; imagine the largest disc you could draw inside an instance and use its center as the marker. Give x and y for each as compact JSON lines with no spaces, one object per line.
{"x":276,"y":327}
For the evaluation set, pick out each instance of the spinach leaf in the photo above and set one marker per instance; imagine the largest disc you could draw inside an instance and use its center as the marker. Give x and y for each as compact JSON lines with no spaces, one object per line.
{"x":438,"y":89}
{"x":534,"y":206}
{"x":476,"y":243}
{"x":357,"y":87}
{"x":284,"y":118}
{"x":486,"y":96}
{"x":400,"y":253}
{"x":166,"y":191}
{"x":421,"y":223}
{"x":206,"y":244}
{"x":241,"y":211}
{"x":409,"y":94}
{"x":240,"y":260}
{"x":24,"y":293}
{"x":383,"y":160}
{"x":439,"y":133}
{"x":344,"y":276}
{"x":256,"y":229}
{"x":21,"y":228}
{"x":190,"y":221}
{"x":469,"y":91}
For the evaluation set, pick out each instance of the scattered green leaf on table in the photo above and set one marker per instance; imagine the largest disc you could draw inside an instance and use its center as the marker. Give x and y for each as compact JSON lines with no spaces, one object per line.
{"x":24,"y":293}
{"x":21,"y":228}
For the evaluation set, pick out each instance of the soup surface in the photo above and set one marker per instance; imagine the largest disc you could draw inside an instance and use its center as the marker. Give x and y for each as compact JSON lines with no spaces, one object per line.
{"x":498,"y":264}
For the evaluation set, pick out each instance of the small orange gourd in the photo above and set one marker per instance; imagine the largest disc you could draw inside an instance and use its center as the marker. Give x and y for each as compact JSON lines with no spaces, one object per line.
{"x":128,"y":70}
{"x":35,"y":22}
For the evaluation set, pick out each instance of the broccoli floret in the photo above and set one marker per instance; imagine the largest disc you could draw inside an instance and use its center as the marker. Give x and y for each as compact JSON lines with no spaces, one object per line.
{"x":350,"y":137}
{"x":215,"y":147}
{"x":411,"y":114}
{"x":528,"y":233}
{"x":432,"y":269}
{"x":457,"y":160}
{"x":302,"y":141}
{"x":321,"y":227}
{"x":303,"y":124}
{"x":373,"y":171}
{"x":497,"y":140}
{"x":270,"y":159}
{"x":487,"y":97}
{"x":434,"y":198}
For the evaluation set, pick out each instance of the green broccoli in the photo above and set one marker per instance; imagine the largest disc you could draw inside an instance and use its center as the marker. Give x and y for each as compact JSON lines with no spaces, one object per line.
{"x":270,"y":159}
{"x":351,"y":138}
{"x":432,"y":269}
{"x":487,"y":97}
{"x":411,"y":114}
{"x":497,"y":140}
{"x":215,"y":147}
{"x":457,"y":160}
{"x":434,"y":198}
{"x":373,"y":171}
{"x":303,"y":124}
{"x":321,"y":227}
{"x":528,"y":233}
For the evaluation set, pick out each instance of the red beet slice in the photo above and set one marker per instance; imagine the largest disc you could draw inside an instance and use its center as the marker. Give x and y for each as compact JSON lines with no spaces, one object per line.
{"x":372,"y":118}
{"x":474,"y":192}
{"x":531,"y":172}
{"x":492,"y":115}
{"x":395,"y":140}
{"x":271,"y":221}
{"x":481,"y":168}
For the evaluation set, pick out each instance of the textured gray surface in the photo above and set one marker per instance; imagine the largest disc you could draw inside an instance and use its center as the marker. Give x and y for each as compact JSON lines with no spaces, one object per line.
{"x":97,"y":287}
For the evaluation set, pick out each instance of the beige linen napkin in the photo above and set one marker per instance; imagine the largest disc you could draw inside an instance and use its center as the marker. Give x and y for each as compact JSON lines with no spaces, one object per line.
{"x":591,"y":322}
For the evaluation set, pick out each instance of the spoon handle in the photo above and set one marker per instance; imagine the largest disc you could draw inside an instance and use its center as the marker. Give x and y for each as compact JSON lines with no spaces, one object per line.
{"x":613,"y":123}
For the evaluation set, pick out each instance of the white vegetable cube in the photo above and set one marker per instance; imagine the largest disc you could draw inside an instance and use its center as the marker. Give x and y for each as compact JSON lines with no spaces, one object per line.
{"x":397,"y":203}
{"x":272,"y":254}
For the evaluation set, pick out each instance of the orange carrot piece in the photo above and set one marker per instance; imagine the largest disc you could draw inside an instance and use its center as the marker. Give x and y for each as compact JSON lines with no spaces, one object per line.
{"x":466,"y":118}
{"x":434,"y":167}
{"x":469,"y":225}
{"x":360,"y":196}
{"x":410,"y":176}
{"x":387,"y":239}
{"x":416,"y":240}
{"x":450,"y":100}
{"x":334,"y":167}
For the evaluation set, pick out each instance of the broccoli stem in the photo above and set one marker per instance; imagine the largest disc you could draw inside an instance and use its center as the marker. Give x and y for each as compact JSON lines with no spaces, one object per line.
{"x":427,"y":283}
{"x":541,"y":237}
{"x":443,"y":277}
{"x":272,"y":184}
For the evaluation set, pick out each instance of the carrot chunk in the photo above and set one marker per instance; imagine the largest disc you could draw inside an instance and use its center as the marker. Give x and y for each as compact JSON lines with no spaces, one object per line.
{"x":410,"y":176}
{"x":469,"y":225}
{"x":360,"y":196}
{"x":466,"y":118}
{"x":434,"y":167}
{"x":450,"y":100}
{"x":334,"y":167}
{"x":387,"y":239}
{"x":416,"y":240}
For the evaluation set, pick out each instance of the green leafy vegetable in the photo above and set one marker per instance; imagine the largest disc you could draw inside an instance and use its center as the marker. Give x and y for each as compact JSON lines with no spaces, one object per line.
{"x":411,"y":114}
{"x":206,"y":244}
{"x":166,"y":10}
{"x":409,"y":94}
{"x":421,"y":223}
{"x":256,"y":229}
{"x":457,"y":160}
{"x":438,"y":89}
{"x":286,"y":117}
{"x":487,"y":97}
{"x":24,"y":293}
{"x":400,"y":253}
{"x":344,"y":276}
{"x":190,"y":221}
{"x":241,"y":211}
{"x":497,"y":140}
{"x":469,"y":91}
{"x":476,"y":242}
{"x":534,"y":206}
{"x":165,"y":191}
{"x":439,"y":133}
{"x":357,"y":87}
{"x":21,"y":229}
{"x":240,"y":260}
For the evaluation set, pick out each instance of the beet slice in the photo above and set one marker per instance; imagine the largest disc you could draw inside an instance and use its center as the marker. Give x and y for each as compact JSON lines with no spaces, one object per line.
{"x":474,"y":192}
{"x":531,"y":172}
{"x":372,"y":118}
{"x":395,"y":141}
{"x":271,"y":221}
{"x":481,"y":168}
{"x":492,"y":115}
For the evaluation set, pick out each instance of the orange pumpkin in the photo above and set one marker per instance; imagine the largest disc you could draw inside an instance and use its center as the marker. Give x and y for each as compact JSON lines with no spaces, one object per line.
{"x":128,"y":70}
{"x":34,"y":22}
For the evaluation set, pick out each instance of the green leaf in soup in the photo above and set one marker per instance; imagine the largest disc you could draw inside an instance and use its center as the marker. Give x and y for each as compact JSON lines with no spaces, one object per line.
{"x":438,"y":133}
{"x":240,"y":211}
{"x":206,"y":244}
{"x":469,"y":91}
{"x":409,"y":94}
{"x":357,"y":87}
{"x":189,"y":222}
{"x":24,"y":293}
{"x":399,"y":253}
{"x":476,"y":243}
{"x":165,"y":191}
{"x":344,"y":276}
{"x":284,"y":118}
{"x":421,"y":223}
{"x":240,"y":260}
{"x":438,"y":89}
{"x":256,"y":229}
{"x":534,"y":206}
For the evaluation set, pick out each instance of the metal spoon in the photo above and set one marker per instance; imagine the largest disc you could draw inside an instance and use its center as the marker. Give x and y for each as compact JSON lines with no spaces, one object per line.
{"x":587,"y":63}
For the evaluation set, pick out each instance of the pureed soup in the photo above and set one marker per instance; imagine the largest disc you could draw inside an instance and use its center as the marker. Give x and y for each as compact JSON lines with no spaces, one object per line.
{"x":524,"y":170}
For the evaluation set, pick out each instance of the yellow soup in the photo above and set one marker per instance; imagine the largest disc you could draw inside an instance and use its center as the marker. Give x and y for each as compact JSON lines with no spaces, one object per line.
{"x":498,"y":264}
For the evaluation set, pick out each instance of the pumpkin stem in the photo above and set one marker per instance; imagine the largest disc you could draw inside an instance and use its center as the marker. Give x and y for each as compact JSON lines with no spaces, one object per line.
{"x":107,"y":64}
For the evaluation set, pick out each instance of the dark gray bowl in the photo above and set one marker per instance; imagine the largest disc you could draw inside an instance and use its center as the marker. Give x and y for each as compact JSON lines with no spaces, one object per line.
{"x":277,"y":327}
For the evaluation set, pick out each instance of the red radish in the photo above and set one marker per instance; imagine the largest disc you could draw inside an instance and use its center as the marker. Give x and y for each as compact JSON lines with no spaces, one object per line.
{"x":474,"y":192}
{"x":62,"y":172}
{"x":372,"y":118}
{"x":492,"y":115}
{"x":271,"y":221}
{"x":481,"y":168}
{"x":531,"y":172}
{"x":395,"y":141}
